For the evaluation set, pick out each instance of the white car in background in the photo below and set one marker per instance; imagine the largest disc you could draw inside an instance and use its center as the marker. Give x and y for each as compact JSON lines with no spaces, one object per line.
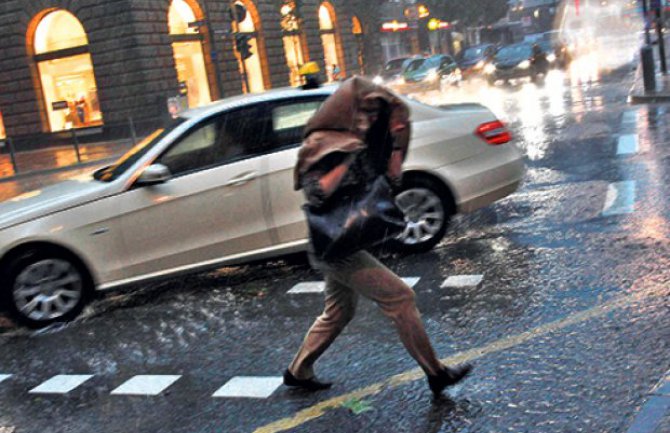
{"x":216,"y":188}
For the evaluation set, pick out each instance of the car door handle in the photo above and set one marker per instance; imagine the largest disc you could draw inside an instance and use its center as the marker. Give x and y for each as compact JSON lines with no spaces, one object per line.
{"x":241,"y":179}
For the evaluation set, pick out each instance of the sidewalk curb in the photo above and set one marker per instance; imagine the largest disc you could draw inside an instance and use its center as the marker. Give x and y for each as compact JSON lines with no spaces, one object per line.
{"x":35,"y":173}
{"x":654,"y":410}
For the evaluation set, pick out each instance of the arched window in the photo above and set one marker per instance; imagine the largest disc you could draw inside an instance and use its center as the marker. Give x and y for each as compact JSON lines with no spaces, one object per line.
{"x":357,"y":30}
{"x":188,"y":53}
{"x":293,"y":41}
{"x":61,"y":52}
{"x":330,"y":39}
{"x":249,"y":24}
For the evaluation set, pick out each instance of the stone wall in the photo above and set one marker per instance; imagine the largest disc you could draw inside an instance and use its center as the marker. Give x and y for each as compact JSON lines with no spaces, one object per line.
{"x":132,"y":54}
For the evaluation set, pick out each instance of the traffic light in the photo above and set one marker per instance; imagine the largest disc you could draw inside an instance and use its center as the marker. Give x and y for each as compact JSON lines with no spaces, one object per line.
{"x":243,"y":45}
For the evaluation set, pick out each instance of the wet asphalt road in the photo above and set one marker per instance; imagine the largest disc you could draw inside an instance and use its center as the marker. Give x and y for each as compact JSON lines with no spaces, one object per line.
{"x":568,"y":330}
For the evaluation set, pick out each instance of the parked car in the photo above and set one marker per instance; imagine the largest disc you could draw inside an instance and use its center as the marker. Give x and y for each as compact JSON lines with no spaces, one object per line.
{"x":391,"y":71}
{"x":474,"y":60}
{"x":215,"y":188}
{"x":515,"y":61}
{"x":434,"y":73}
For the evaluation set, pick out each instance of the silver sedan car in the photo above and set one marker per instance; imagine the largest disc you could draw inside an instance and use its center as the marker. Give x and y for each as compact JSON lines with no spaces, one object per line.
{"x":215,"y":188}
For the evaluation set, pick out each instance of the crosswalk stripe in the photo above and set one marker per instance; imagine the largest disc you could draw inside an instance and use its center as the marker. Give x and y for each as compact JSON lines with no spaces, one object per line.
{"x":462,"y":281}
{"x":620,"y":198}
{"x":320,"y":286}
{"x":249,"y":387}
{"x":61,"y":384}
{"x":4,"y":377}
{"x":146,"y":385}
{"x":627,"y":145}
{"x":308,"y":287}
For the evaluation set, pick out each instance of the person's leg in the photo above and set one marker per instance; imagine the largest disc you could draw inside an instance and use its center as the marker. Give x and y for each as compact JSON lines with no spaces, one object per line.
{"x":339,"y":310}
{"x":365,"y":275}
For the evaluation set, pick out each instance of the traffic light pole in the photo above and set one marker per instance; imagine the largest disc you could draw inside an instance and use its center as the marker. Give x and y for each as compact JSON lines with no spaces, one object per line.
{"x":645,"y":17}
{"x":660,"y":38}
{"x":213,"y":54}
{"x":236,"y":30}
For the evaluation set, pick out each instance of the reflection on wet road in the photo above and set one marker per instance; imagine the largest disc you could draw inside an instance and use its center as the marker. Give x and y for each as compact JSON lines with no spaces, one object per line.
{"x":562,"y":301}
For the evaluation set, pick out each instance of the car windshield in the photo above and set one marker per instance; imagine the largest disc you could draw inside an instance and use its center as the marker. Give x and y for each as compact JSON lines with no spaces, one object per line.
{"x":473,"y":53}
{"x":394,"y":65}
{"x":111,"y":173}
{"x":519,"y":51}
{"x":431,"y":63}
{"x":414,"y":65}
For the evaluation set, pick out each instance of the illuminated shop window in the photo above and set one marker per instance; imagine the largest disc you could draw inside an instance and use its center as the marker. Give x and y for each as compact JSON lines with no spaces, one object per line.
{"x":252,"y":65}
{"x":357,"y":30}
{"x":292,"y":38}
{"x":189,"y":57}
{"x":66,"y":72}
{"x":3,"y":134}
{"x":330,"y":41}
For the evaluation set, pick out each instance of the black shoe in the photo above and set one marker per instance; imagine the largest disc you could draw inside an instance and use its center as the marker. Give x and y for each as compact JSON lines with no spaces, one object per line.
{"x":306,"y":384}
{"x":447,"y":377}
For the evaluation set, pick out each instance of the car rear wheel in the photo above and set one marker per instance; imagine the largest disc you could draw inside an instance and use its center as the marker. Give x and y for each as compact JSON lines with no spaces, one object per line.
{"x":41,"y":288}
{"x":428,"y":209}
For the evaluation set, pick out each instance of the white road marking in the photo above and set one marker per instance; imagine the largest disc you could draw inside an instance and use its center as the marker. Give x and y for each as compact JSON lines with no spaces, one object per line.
{"x":309,"y":287}
{"x":320,"y":286}
{"x":620,"y":198}
{"x":249,"y":387}
{"x":411,"y":281}
{"x":462,"y":281}
{"x":4,"y":377}
{"x":627,"y":145}
{"x":146,"y":385}
{"x":61,"y":384}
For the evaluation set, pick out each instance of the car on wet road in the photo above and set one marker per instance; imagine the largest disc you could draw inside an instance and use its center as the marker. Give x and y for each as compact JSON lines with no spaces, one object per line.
{"x":392,"y":71}
{"x":514,"y":62}
{"x":474,"y":60}
{"x":215,"y":188}
{"x":433,"y":73}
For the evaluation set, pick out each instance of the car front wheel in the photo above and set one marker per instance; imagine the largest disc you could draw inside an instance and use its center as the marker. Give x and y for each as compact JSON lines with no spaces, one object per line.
{"x":428,"y":209}
{"x":42,"y":288}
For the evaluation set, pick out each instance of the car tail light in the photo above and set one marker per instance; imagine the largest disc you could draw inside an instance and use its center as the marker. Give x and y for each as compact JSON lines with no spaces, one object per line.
{"x":494,"y":133}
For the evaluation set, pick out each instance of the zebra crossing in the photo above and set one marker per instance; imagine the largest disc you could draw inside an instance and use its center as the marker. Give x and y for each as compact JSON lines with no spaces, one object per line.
{"x":238,"y":387}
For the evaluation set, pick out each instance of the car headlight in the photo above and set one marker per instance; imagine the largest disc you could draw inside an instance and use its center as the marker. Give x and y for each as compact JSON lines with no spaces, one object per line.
{"x":432,"y":75}
{"x":551,"y":58}
{"x":524,"y":65}
{"x":480,"y":64}
{"x":378,"y":80}
{"x":489,"y":69}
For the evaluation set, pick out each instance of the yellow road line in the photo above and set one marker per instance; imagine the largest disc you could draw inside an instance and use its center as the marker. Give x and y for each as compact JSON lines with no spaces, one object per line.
{"x":319,"y":409}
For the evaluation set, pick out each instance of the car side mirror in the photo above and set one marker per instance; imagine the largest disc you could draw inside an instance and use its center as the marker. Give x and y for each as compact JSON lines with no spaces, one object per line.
{"x":155,"y":174}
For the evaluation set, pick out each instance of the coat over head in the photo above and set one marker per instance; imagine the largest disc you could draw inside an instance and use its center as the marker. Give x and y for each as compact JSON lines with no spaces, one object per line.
{"x":344,"y":120}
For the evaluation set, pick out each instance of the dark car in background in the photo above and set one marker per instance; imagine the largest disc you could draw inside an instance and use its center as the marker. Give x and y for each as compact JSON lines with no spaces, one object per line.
{"x":516,"y":61}
{"x":391,"y":71}
{"x":557,"y":53}
{"x":475,"y":58}
{"x":433,"y":73}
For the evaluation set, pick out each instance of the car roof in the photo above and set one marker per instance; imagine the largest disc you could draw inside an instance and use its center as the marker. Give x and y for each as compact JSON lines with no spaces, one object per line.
{"x":255,"y":98}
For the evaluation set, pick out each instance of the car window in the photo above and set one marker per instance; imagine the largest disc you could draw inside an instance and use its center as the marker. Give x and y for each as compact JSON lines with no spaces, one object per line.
{"x":446,"y":61}
{"x":225,"y":138}
{"x":114,"y":171}
{"x":193,"y":151}
{"x":289,"y":119}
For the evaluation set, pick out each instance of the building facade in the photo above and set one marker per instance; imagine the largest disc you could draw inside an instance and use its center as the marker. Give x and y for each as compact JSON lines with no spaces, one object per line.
{"x":92,"y":65}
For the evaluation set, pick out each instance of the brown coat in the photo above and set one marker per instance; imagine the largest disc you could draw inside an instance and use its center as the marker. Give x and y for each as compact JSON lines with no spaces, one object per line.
{"x":336,"y":126}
